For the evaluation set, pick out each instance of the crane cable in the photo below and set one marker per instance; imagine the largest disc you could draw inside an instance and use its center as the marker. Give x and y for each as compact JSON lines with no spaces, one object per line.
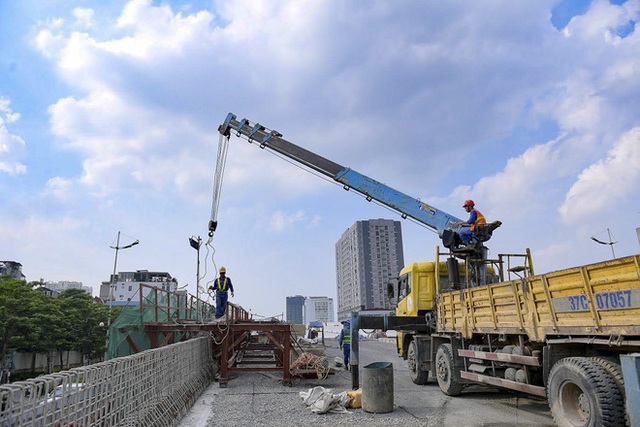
{"x":221,"y":161}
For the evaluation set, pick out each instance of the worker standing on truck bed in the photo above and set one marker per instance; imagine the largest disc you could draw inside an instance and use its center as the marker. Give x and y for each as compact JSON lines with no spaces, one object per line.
{"x":345,"y":342}
{"x":222,"y":285}
{"x":467,"y":230}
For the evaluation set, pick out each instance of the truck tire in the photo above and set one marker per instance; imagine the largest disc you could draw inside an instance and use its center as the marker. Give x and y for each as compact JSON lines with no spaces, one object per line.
{"x":582,"y":393}
{"x":613,"y":368}
{"x":418,"y":376}
{"x":447,"y":373}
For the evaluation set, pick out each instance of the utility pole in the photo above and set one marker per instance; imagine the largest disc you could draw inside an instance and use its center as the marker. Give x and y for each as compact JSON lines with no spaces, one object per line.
{"x":195,"y":243}
{"x":113,"y":282}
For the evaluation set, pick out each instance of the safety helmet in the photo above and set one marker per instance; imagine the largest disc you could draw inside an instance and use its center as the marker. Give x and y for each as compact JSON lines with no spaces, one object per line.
{"x":468,"y":203}
{"x":223,"y":270}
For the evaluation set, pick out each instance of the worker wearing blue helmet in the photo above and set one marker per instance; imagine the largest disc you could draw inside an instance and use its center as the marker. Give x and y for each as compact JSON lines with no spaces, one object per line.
{"x":345,"y":342}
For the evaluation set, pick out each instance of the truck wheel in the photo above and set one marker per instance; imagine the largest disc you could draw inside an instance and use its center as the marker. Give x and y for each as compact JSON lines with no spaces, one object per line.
{"x":418,"y":376}
{"x":447,"y":373}
{"x":613,"y":368}
{"x":582,"y":393}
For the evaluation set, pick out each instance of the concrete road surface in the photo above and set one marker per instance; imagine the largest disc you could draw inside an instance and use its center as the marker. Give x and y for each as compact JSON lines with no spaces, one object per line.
{"x":256,"y":399}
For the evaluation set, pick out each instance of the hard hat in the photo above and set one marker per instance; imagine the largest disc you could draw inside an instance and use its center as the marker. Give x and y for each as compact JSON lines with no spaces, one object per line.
{"x":468,"y":203}
{"x":223,"y":270}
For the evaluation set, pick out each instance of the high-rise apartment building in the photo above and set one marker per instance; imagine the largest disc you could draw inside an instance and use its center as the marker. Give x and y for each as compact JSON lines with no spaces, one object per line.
{"x":295,"y":307}
{"x":368,"y":255}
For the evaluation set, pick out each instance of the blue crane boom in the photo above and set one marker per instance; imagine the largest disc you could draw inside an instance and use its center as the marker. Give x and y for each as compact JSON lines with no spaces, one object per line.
{"x":407,"y":206}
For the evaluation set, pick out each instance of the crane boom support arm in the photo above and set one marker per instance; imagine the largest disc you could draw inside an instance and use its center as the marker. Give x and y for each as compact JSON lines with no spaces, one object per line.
{"x":273,"y":140}
{"x":407,"y":206}
{"x":373,"y":190}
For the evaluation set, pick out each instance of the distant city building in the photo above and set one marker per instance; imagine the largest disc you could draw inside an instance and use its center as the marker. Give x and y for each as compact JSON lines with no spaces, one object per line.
{"x":125,"y":285}
{"x":295,"y":307}
{"x":368,"y":255}
{"x":64,"y":285}
{"x":638,"y":233}
{"x":12,"y":268}
{"x":318,"y":309}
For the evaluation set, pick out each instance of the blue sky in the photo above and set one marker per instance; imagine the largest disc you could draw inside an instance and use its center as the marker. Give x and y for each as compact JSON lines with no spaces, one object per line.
{"x":109,"y":116}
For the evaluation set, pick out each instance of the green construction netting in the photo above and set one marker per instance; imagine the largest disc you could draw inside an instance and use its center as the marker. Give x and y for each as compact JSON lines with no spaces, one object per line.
{"x":126,"y":334}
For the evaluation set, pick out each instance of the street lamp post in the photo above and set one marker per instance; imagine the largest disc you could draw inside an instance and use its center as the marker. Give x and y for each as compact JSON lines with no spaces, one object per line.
{"x":113,"y":281}
{"x":195,"y":243}
{"x":610,"y":242}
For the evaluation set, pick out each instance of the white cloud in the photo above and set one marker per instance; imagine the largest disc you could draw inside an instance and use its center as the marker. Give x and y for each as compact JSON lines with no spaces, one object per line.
{"x":607,"y":182}
{"x":281,"y":221}
{"x":84,"y":17}
{"x":453,"y":101}
{"x":49,"y":41}
{"x":602,"y":20}
{"x":511,"y":194}
{"x":59,"y":188}
{"x":12,"y":147}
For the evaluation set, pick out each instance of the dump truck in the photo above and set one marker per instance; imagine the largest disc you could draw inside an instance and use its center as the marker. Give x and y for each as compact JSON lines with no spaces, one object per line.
{"x":557,"y":335}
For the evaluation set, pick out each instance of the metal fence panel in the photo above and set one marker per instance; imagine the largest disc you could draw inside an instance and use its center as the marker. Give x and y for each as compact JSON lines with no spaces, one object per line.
{"x":152,"y":388}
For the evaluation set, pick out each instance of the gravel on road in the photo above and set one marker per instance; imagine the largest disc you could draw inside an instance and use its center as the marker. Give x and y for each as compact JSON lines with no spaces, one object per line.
{"x":261,"y":400}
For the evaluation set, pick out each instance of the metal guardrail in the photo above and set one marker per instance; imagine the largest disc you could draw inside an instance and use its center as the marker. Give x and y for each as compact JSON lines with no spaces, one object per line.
{"x":170,"y":306}
{"x":152,"y":388}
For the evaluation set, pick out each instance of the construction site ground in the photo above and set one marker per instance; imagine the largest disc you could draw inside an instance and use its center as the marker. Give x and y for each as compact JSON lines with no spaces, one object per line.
{"x":260,"y":399}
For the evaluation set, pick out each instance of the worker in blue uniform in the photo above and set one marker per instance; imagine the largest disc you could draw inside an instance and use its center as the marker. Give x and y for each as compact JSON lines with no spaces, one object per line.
{"x":345,"y":342}
{"x":222,"y":286}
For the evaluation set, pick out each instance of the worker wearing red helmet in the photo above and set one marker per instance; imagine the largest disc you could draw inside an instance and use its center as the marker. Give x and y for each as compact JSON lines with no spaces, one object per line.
{"x":468,"y":228}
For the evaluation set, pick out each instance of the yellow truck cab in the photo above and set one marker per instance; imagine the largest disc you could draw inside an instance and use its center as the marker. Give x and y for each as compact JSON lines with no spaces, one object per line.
{"x":417,"y":288}
{"x":416,"y":291}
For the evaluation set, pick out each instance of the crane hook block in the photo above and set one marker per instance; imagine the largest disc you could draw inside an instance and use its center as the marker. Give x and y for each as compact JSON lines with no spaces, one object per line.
{"x":212,"y":227}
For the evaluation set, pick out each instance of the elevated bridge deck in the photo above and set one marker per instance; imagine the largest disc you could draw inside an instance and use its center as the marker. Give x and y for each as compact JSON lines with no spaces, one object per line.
{"x":162,"y":355}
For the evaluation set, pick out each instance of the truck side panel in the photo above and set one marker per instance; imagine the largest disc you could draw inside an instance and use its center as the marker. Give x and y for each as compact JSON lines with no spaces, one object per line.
{"x":492,"y":306}
{"x":451,"y":312}
{"x":596,"y":299}
{"x":498,"y":308}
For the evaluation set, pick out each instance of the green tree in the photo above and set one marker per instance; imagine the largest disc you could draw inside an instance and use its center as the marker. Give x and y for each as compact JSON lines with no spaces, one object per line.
{"x":83,"y":318}
{"x":52,"y":330}
{"x":33,"y":322}
{"x":17,"y":324}
{"x":45,"y":328}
